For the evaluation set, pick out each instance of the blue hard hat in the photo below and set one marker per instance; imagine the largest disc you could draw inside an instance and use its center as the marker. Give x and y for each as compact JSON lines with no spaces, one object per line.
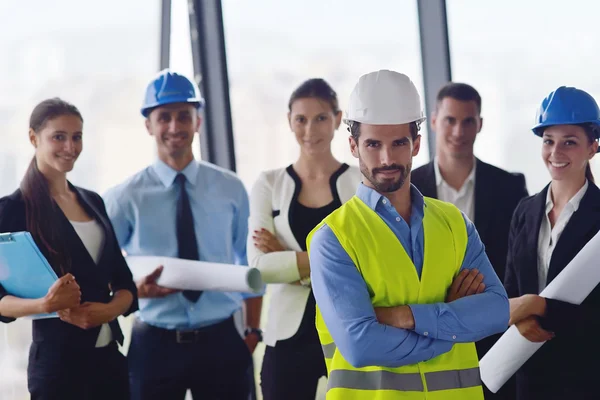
{"x":170,"y":87}
{"x":567,"y":106}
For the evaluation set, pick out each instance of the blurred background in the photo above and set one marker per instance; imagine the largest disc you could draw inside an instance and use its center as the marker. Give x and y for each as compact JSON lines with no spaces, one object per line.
{"x":248,"y":56}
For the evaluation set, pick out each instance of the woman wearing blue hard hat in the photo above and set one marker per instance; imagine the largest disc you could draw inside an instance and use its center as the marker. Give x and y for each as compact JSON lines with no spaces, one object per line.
{"x":547,"y":231}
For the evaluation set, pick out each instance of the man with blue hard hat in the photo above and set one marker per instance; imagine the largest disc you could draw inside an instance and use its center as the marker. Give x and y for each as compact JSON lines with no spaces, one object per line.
{"x":181,"y":207}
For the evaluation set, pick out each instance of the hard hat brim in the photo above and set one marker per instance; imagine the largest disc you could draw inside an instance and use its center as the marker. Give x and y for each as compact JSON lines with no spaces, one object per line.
{"x":193,"y":100}
{"x":418,"y":120}
{"x":538,"y":130}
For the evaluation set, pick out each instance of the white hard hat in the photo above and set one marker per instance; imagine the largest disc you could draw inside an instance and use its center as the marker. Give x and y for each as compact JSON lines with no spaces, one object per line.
{"x":384,"y":98}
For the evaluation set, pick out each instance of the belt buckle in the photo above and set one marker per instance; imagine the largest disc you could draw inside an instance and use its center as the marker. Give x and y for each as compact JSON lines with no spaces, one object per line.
{"x":185,"y":336}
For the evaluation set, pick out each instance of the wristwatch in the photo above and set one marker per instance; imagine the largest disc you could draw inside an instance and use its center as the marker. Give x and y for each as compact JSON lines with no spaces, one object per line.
{"x":257,"y":331}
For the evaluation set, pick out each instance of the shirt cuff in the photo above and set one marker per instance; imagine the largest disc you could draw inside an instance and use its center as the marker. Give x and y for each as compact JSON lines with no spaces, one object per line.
{"x":279,"y":267}
{"x":426,"y":319}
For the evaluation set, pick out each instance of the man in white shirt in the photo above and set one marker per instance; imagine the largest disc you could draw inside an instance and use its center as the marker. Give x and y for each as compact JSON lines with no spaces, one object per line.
{"x":486,"y":194}
{"x":463,"y":197}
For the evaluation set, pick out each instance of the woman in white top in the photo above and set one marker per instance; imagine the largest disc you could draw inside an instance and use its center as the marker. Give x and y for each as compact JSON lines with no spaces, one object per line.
{"x":74,"y":356}
{"x":547,"y":231}
{"x":285,"y":205}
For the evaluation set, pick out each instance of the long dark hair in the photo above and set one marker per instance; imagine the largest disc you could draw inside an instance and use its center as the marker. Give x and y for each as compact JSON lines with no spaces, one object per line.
{"x":592,"y":132}
{"x":40,"y":209}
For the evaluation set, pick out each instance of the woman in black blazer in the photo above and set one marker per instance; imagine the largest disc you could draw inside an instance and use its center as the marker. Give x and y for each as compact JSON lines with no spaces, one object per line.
{"x":76,"y":355}
{"x":547,"y":231}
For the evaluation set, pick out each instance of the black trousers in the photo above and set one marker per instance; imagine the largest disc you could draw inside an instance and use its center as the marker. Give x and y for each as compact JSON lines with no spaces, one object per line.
{"x":72,"y":373}
{"x":292,"y":368}
{"x":212,"y":362}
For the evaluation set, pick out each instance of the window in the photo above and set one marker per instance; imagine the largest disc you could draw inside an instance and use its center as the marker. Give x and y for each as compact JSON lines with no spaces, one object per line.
{"x":515,"y":53}
{"x":181,"y":52}
{"x":99,"y":56}
{"x":273,"y":46}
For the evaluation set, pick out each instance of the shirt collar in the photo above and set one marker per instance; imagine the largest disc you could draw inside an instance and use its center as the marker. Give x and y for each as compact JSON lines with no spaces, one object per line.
{"x":573,"y":203}
{"x":439,"y":180}
{"x":167,"y":175}
{"x":372,"y":198}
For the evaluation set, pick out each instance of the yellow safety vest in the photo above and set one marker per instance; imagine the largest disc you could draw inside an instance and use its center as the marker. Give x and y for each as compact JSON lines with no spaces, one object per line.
{"x":392,"y":280}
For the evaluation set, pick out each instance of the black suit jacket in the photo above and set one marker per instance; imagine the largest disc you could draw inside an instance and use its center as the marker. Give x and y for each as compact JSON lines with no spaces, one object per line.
{"x":566,"y":366}
{"x":497,"y":194}
{"x":94,"y":279}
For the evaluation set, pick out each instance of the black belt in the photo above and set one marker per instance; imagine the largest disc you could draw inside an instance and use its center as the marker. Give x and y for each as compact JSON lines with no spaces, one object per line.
{"x":189,"y":335}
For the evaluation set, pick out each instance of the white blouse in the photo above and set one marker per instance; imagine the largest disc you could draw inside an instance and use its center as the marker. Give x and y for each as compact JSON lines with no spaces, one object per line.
{"x":549,"y":236}
{"x":92,"y":236}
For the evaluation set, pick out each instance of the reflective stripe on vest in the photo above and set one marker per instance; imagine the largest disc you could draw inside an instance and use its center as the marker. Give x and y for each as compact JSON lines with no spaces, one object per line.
{"x":374,"y":380}
{"x":457,"y":379}
{"x":392,"y":280}
{"x":387,"y":380}
{"x":328,"y":350}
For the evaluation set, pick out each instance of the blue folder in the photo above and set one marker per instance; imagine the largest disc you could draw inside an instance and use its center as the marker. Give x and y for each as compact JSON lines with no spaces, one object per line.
{"x":24,"y":271}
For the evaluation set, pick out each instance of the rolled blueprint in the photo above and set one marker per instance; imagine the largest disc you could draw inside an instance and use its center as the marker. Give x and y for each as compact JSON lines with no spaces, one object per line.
{"x":197,"y":275}
{"x":572,"y":285}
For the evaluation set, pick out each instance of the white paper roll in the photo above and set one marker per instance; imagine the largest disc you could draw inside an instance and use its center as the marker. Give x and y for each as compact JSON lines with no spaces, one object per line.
{"x":197,"y":275}
{"x":572,"y":285}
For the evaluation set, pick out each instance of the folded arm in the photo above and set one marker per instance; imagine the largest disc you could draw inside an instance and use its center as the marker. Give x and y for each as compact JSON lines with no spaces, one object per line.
{"x":275,"y":266}
{"x":345,"y":304}
{"x":470,"y":318}
{"x":12,"y":307}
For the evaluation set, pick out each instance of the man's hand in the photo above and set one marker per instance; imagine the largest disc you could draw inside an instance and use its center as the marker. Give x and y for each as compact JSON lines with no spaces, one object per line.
{"x":148,"y":287}
{"x":525,"y":306}
{"x":88,"y":315}
{"x":530,"y":328}
{"x":465,"y":284}
{"x":399,"y":317}
{"x":266,"y":242}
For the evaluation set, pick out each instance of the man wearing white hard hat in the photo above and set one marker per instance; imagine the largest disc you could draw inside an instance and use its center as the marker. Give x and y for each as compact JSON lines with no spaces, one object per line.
{"x":402,"y":282}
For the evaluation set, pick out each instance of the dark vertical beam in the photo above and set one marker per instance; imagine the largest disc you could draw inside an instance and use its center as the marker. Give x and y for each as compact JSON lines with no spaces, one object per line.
{"x":165,"y":34}
{"x":210,"y":70}
{"x":435,"y":55}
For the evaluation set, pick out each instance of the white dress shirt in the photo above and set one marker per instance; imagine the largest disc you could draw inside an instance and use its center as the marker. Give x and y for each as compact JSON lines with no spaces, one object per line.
{"x":92,"y":236}
{"x":549,"y":236}
{"x":464,"y":198}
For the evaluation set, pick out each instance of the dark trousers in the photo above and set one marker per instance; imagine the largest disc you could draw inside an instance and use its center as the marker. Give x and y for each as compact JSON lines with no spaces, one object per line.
{"x":291,"y":370}
{"x":212,"y":362}
{"x":72,"y":373}
{"x":506,"y":392}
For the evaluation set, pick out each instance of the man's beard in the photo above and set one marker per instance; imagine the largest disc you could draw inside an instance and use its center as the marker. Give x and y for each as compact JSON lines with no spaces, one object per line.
{"x":387,"y":185}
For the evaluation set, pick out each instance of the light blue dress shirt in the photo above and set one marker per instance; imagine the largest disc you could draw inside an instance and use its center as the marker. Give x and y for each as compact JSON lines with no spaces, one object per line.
{"x":345,"y":303}
{"x":142,"y":210}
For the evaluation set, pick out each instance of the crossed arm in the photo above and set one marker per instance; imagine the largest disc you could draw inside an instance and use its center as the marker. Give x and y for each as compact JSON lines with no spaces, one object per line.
{"x":467,"y":283}
{"x":476,"y":307}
